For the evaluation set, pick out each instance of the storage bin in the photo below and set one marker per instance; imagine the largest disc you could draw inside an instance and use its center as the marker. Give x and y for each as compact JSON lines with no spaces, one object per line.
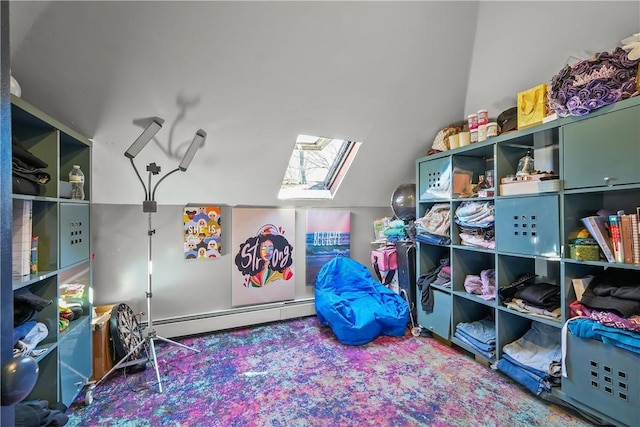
{"x":528,"y":225}
{"x":74,"y":233}
{"x":435,"y":179}
{"x":584,"y":250}
{"x":75,"y":365}
{"x":438,"y":321}
{"x":603,"y":377}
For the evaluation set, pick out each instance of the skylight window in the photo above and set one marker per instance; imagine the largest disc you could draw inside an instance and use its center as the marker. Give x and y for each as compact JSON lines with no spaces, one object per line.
{"x":317,"y":167}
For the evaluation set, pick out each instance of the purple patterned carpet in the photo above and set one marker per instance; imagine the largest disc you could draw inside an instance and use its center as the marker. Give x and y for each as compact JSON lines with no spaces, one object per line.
{"x":295,"y":373}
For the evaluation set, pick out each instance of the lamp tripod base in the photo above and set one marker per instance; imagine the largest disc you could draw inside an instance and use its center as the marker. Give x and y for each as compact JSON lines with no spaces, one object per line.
{"x":151,"y":358}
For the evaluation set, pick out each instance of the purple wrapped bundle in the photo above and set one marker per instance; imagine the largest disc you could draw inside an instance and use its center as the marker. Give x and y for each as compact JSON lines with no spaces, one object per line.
{"x":593,"y":83}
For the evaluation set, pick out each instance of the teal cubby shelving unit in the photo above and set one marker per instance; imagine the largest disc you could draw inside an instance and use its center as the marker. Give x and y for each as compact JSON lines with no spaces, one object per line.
{"x":597,"y":158}
{"x":62,"y":228}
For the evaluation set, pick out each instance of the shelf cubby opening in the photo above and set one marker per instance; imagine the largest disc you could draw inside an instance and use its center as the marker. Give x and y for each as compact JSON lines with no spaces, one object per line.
{"x":465,"y":262}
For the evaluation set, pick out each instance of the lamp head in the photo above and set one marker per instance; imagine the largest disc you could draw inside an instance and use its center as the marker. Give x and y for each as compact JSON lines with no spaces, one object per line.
{"x":144,"y":137}
{"x":197,"y":142}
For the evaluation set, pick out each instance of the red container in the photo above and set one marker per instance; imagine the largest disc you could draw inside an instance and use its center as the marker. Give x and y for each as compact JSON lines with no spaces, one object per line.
{"x":473,"y":122}
{"x":483,"y":117}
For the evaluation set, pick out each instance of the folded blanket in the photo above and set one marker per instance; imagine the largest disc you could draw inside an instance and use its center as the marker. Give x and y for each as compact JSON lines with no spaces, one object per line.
{"x":436,"y":220}
{"x":475,"y":214}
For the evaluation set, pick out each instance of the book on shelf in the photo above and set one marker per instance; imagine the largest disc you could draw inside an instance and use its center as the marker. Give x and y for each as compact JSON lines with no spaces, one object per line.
{"x":626,"y":237}
{"x":21,"y":237}
{"x":597,"y":226}
{"x":616,"y":238}
{"x":635,"y":238}
{"x":33,"y":261}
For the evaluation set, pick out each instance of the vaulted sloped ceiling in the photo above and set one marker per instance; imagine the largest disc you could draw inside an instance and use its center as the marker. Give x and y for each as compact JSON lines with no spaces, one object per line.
{"x":253,"y":75}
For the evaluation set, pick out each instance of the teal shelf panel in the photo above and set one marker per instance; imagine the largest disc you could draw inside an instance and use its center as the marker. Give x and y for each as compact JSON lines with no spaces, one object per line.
{"x":553,"y":216}
{"x":62,"y":228}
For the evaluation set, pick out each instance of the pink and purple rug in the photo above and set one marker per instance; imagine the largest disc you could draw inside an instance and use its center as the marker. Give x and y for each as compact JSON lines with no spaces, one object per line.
{"x":295,"y":373}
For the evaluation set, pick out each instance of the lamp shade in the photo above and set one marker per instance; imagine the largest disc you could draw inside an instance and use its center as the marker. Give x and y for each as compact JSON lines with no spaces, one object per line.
{"x":144,"y":137}
{"x":197,"y":142}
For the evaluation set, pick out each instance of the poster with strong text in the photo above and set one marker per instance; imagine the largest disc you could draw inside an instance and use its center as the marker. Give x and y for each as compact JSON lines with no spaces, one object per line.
{"x":263,"y":246}
{"x":328,"y":235}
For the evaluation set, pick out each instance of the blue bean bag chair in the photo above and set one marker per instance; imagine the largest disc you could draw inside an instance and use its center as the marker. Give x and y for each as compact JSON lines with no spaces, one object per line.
{"x":356,"y":306}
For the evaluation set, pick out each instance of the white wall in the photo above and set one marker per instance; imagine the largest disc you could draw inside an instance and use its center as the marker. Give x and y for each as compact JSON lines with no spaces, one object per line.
{"x":186,"y":287}
{"x":519,"y":45}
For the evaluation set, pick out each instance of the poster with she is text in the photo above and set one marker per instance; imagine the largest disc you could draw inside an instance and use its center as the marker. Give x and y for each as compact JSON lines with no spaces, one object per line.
{"x":263,"y":241}
{"x":202,"y":232}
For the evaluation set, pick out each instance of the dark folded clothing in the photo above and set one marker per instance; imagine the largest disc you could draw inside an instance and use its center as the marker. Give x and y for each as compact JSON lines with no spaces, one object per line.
{"x":20,"y":168}
{"x":615,"y":277}
{"x":424,"y":284}
{"x":40,"y":413}
{"x":19,"y":152}
{"x":543,"y":295}
{"x":27,"y":179}
{"x":26,"y":186}
{"x":26,"y":306}
{"x":624,"y":307}
{"x":25,"y":295}
{"x":508,"y":292}
{"x":624,"y":292}
{"x":614,"y":290}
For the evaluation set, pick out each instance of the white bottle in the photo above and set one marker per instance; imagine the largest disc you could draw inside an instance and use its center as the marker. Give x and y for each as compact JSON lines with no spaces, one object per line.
{"x":76,"y":178}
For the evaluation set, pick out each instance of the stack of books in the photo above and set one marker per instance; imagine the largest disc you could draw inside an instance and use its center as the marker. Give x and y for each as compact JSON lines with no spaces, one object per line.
{"x":617,"y":235}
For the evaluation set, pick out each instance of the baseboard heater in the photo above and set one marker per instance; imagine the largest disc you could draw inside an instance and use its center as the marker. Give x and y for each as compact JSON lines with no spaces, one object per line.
{"x":233,"y":318}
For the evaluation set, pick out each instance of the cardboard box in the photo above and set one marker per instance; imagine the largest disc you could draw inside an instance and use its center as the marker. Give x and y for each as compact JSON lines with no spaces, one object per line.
{"x":580,"y":284}
{"x":532,"y":106}
{"x":462,"y":182}
{"x":102,"y":358}
{"x":101,"y":315}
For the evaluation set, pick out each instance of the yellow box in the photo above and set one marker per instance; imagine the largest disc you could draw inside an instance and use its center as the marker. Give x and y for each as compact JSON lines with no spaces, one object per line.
{"x":532,"y":106}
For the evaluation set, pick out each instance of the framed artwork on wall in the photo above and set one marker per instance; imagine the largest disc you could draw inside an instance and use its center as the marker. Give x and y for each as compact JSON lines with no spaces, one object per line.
{"x":263,"y":241}
{"x":328,"y":235}
{"x":202,"y":232}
